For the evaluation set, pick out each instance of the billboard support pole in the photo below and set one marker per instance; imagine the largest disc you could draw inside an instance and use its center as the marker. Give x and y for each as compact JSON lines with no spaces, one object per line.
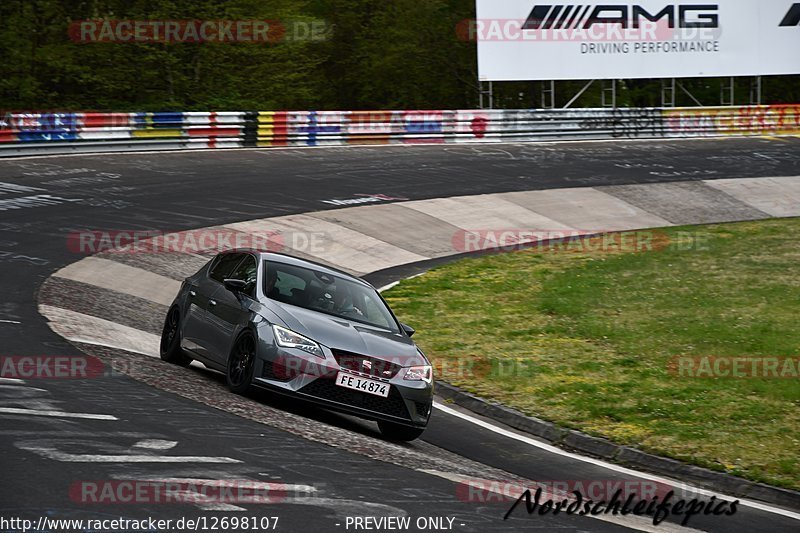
{"x":549,"y":94}
{"x":668,"y":93}
{"x":727,"y":91}
{"x":489,"y":94}
{"x":605,"y":91}
{"x":755,"y":91}
{"x":580,"y":93}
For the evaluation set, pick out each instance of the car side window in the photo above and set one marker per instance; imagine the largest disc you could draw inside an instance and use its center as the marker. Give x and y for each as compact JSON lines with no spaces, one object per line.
{"x":247,"y":271}
{"x":281,"y":285}
{"x":289,"y":289}
{"x":223,"y":267}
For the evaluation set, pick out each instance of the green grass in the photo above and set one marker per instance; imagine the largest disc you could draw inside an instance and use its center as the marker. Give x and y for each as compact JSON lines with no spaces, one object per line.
{"x":585,"y":340}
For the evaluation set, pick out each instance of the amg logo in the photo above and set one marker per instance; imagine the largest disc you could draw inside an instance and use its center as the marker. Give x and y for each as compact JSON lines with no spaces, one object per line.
{"x":570,"y":17}
{"x":792,"y":18}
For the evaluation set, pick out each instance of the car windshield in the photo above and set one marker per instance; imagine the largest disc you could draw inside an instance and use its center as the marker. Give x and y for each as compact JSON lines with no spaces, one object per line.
{"x":326,"y":293}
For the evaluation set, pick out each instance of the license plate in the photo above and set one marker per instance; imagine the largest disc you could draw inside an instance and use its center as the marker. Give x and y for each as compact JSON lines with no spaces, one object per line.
{"x":370,"y":386}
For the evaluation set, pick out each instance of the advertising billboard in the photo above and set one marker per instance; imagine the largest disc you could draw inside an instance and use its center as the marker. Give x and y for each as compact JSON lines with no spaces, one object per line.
{"x":547,"y":40}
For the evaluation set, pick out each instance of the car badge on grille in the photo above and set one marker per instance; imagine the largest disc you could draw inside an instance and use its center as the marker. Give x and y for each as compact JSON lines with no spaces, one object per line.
{"x":367,"y":364}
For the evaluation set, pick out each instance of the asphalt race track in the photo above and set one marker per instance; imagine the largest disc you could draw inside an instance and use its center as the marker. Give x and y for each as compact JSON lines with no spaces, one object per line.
{"x":331,"y":466}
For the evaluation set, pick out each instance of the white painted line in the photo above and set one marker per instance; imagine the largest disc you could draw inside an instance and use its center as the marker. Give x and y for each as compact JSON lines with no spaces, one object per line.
{"x":226,"y":507}
{"x":10,"y":322}
{"x":92,"y":342}
{"x":15,"y":387}
{"x":236,"y":483}
{"x":389,"y":286}
{"x":156,"y":444}
{"x":616,"y":468}
{"x":56,"y":455}
{"x":396,"y":283}
{"x":58,"y":414}
{"x":12,"y":381}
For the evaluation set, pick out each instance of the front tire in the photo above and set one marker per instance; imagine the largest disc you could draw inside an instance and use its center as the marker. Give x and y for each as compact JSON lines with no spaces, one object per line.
{"x":170,"y":348}
{"x":398,"y":432}
{"x":241,"y":364}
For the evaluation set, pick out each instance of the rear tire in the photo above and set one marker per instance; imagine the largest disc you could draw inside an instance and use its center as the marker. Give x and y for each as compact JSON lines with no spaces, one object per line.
{"x":241,"y":364}
{"x":170,"y":348}
{"x":399,"y":432}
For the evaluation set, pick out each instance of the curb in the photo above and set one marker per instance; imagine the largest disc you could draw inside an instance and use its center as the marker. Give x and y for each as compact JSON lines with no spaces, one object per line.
{"x":616,"y":453}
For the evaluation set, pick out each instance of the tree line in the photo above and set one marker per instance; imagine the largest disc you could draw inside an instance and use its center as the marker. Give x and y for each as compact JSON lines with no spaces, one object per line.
{"x":319,"y":54}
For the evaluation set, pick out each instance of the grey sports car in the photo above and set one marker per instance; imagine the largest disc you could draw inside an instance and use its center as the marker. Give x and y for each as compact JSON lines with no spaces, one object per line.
{"x":302,"y":329}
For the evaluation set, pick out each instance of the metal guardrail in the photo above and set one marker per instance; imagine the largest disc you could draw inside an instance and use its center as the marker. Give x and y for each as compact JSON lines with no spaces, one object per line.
{"x":56,"y":133}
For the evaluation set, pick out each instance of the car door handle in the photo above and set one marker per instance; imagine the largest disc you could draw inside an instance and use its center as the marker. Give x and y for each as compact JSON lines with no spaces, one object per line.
{"x":212,"y":303}
{"x":192,"y":294}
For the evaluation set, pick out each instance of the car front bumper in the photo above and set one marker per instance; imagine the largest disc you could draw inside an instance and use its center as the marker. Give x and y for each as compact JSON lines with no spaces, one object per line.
{"x":294,"y":373}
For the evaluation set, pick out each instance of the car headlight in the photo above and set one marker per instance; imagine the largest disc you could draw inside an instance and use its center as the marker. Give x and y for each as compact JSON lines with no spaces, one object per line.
{"x":419,"y":373}
{"x":289,"y":339}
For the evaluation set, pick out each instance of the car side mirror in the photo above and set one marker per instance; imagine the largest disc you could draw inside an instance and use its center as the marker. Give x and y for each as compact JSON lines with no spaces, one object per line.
{"x":408,"y":329}
{"x":235,"y":285}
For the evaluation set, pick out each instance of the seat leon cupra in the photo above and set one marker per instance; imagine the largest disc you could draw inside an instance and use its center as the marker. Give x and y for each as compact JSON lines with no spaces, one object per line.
{"x":305,"y":330}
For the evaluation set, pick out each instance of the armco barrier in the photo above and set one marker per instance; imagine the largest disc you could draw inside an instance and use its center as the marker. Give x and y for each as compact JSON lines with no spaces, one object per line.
{"x":49,"y":133}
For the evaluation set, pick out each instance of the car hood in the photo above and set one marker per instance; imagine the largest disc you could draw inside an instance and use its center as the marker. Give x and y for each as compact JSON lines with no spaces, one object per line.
{"x":342,"y":334}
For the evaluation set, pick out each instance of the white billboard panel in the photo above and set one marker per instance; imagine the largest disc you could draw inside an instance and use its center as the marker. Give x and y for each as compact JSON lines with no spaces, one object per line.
{"x":550,"y":40}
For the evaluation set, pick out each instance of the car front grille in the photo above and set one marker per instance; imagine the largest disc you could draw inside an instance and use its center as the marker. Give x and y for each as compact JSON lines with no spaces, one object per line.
{"x":364,"y":364}
{"x":326,"y":389}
